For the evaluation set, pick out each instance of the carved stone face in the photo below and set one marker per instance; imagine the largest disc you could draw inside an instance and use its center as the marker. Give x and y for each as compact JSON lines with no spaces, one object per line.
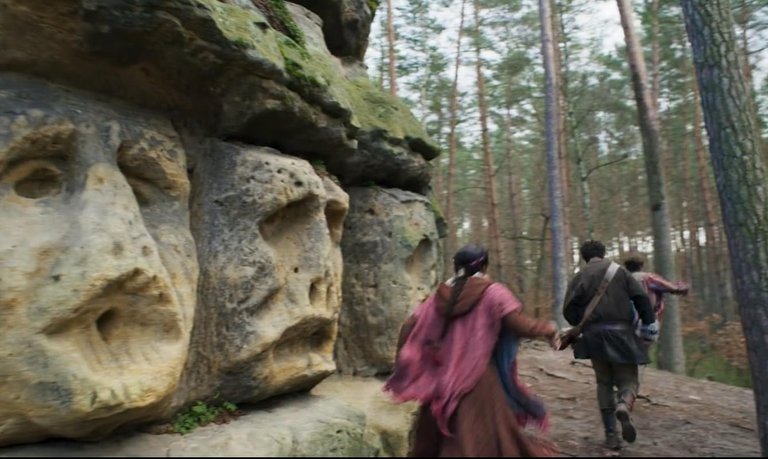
{"x":268,"y":229}
{"x":98,"y":270}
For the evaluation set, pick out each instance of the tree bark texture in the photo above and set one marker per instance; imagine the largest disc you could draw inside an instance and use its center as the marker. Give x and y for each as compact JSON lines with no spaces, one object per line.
{"x":496,"y":261}
{"x":558,"y":37}
{"x":453,"y":115}
{"x":553,"y":164}
{"x":516,"y":275}
{"x":391,"y":48}
{"x":672,"y":355}
{"x":740,"y":175}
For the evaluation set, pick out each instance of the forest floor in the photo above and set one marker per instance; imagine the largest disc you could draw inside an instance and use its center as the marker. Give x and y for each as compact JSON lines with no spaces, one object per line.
{"x":674,"y":415}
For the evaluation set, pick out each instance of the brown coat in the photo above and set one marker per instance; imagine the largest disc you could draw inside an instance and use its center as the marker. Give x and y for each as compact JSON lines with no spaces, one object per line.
{"x":608,"y":334}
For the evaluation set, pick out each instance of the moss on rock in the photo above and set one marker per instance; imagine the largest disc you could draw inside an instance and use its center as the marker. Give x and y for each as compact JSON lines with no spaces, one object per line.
{"x":314,"y":74}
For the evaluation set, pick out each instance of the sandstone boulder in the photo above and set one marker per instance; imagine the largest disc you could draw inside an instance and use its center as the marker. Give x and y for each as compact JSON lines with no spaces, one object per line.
{"x":98,"y":271}
{"x":390,"y":249}
{"x":344,"y":417}
{"x":268,"y":230}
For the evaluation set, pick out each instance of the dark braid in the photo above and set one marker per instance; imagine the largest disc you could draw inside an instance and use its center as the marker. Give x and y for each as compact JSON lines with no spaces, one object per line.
{"x":458,"y":286}
{"x":466,"y":263}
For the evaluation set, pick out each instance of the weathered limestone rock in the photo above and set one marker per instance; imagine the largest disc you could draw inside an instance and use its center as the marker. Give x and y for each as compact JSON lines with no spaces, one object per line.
{"x":268,"y":230}
{"x":223,"y":66}
{"x":388,"y":425}
{"x":390,"y":262}
{"x":98,"y":270}
{"x":343,"y":417}
{"x":104,"y":323}
{"x":302,"y":426}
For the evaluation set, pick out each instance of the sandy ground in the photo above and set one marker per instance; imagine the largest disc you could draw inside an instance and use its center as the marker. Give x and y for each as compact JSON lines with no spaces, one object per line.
{"x":675,"y":415}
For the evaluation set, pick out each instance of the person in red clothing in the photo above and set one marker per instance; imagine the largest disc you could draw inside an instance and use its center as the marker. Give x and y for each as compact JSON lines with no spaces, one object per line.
{"x":655,"y":285}
{"x":457,"y":357}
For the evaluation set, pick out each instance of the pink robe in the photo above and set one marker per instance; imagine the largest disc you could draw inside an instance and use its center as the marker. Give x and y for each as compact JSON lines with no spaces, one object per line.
{"x":441,"y":377}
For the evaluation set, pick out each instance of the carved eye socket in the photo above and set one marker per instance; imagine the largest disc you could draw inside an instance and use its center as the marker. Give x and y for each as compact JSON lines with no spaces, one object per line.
{"x":41,"y":183}
{"x":36,"y":179}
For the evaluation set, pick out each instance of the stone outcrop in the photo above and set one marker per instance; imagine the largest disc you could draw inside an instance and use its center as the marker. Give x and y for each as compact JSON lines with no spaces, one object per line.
{"x":98,"y":270}
{"x":226,"y":69}
{"x":346,"y":24}
{"x":268,"y":230}
{"x":329,"y":422}
{"x":391,"y":257}
{"x":175,"y":178}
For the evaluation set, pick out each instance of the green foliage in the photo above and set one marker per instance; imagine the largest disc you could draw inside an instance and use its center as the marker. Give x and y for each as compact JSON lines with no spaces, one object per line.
{"x":284,"y":16}
{"x":201,"y":414}
{"x":319,"y":165}
{"x":374,"y":5}
{"x":703,"y":362}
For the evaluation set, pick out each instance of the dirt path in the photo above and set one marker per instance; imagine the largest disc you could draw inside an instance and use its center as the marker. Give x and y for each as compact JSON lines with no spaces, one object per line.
{"x":675,"y":415}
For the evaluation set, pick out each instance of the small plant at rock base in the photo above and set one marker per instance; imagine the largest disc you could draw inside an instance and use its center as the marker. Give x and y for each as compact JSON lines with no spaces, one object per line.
{"x":201,"y":414}
{"x":319,"y":165}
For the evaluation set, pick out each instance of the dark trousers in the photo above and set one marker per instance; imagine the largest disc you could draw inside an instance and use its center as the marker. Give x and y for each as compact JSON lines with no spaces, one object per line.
{"x":609,"y":375}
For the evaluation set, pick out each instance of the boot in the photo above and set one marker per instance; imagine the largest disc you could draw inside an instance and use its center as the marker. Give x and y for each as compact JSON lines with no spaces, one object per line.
{"x":623,"y":414}
{"x":611,"y":435}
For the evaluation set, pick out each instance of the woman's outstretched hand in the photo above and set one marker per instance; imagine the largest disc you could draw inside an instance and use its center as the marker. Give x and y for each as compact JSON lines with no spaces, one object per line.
{"x":554,"y":339}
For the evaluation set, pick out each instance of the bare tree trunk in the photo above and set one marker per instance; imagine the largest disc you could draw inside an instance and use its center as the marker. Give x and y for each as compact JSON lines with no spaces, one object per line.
{"x":743,"y":20}
{"x":537,"y":287}
{"x":740,"y":174}
{"x":716,"y":288}
{"x":672,"y":355}
{"x":391,"y":43}
{"x":514,"y":207}
{"x":553,"y":165}
{"x":382,"y":52}
{"x":562,"y":134}
{"x":490,"y":179}
{"x":655,"y":55}
{"x":450,"y":241}
{"x":438,"y":161}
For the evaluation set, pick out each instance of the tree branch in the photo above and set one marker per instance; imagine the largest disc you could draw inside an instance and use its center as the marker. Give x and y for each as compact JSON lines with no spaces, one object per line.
{"x":608,"y":163}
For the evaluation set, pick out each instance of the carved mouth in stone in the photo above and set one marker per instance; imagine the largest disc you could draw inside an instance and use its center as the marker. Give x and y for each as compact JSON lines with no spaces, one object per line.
{"x":128,"y":323}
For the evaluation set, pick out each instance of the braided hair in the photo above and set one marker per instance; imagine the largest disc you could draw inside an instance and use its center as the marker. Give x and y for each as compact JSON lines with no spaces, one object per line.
{"x":468,"y":261}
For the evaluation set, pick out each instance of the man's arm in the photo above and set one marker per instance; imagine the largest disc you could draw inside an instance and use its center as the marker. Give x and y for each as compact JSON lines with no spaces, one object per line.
{"x":572,"y":309}
{"x":644,"y":309}
{"x":660,"y":284}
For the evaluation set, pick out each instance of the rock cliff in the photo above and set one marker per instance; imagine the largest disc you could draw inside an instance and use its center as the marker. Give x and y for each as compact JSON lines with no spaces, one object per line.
{"x":197,"y":197}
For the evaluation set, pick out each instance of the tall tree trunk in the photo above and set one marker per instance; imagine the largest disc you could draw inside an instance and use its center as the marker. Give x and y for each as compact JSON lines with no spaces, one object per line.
{"x":672,"y":355}
{"x":516,"y":274}
{"x":558,"y":37}
{"x":553,"y":165}
{"x":542,"y":254}
{"x":740,"y":174}
{"x":391,"y":45}
{"x":382,"y":52}
{"x":655,"y":55}
{"x":570,"y":124}
{"x":717,"y":288}
{"x":453,"y":115}
{"x":586,"y":198}
{"x":696,"y":264}
{"x":743,"y":21}
{"x":438,"y":161}
{"x":490,"y":179}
